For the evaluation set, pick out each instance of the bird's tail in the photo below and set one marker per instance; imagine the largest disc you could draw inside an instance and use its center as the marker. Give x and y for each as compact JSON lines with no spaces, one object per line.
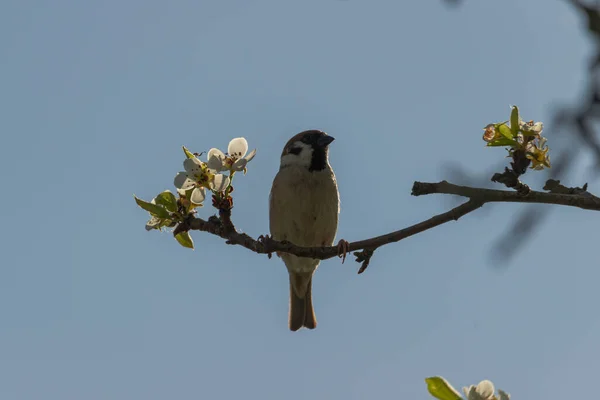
{"x":301,"y":308}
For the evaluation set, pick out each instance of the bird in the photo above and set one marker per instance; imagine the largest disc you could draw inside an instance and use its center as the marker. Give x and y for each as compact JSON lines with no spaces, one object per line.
{"x":304,"y":206}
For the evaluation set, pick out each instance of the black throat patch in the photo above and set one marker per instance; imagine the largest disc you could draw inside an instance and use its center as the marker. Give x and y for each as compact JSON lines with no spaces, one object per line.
{"x":319,"y":159}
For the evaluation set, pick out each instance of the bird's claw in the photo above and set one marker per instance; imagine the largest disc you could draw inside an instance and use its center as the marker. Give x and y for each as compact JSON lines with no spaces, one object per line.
{"x":265,"y":240}
{"x":343,"y":248}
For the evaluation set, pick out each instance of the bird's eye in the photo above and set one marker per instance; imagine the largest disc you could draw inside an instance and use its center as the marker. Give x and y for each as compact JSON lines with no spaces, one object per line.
{"x":295,"y":150}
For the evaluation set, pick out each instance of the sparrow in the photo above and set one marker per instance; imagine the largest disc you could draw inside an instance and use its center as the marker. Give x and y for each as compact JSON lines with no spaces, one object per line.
{"x":304,"y":206}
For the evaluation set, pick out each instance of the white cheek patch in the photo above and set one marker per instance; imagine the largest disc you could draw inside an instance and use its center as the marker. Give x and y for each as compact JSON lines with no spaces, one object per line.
{"x":304,"y":158}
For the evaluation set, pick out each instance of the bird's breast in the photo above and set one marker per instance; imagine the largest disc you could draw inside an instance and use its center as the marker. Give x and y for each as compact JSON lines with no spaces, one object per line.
{"x":304,"y":207}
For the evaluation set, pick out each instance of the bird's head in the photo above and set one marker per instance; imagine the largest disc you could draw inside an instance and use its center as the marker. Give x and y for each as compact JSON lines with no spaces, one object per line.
{"x":308,"y":149}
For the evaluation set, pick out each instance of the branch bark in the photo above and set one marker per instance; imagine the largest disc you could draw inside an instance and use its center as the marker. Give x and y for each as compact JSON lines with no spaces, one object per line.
{"x":584,"y":200}
{"x":477,"y":197}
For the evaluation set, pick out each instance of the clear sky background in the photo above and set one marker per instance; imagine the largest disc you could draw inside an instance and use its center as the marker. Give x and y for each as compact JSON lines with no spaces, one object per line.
{"x":96,"y":100}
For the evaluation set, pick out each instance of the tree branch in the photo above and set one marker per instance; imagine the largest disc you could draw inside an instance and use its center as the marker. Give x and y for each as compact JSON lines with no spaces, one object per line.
{"x":266,"y":245}
{"x":559,"y":195}
{"x":584,"y":200}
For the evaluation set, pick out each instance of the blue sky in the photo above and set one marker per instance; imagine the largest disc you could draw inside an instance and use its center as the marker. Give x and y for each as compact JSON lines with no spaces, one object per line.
{"x":97,"y":99}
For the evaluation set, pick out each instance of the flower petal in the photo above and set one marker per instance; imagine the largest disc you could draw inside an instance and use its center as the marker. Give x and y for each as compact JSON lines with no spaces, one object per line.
{"x":216,"y":159}
{"x":485,"y":389}
{"x":215,"y":152}
{"x":182,"y":181}
{"x":467,"y":390}
{"x":238,"y":147}
{"x":220,"y":183}
{"x":192,"y":166}
{"x":472,"y":394}
{"x":239,"y":165}
{"x":197,"y":196}
{"x":215,"y":164}
{"x":153,"y":223}
{"x":250,"y":155}
{"x":502,"y":395}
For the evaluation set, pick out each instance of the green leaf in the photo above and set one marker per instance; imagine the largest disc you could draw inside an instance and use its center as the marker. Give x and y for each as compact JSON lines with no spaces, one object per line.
{"x":168,"y":200}
{"x":441,"y":389}
{"x":505,"y":131}
{"x":514,"y":121}
{"x":502,"y":142}
{"x":185,"y":239}
{"x":188,"y":153}
{"x":153,"y":209}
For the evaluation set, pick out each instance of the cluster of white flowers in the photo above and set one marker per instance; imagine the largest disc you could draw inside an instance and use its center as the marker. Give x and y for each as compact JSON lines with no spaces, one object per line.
{"x":166,"y":210}
{"x":519,"y":135}
{"x":199,"y":175}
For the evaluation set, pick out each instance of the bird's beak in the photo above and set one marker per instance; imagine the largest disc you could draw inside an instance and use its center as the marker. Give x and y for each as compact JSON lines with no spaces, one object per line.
{"x":324,"y":141}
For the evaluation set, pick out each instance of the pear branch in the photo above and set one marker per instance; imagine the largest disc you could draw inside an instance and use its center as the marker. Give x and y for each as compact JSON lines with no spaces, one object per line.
{"x":477,"y":197}
{"x":266,"y":245}
{"x":558,"y":194}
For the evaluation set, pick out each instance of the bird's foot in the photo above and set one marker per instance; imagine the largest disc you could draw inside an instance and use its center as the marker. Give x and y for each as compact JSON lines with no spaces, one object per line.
{"x":343,"y":248}
{"x":266,"y":242}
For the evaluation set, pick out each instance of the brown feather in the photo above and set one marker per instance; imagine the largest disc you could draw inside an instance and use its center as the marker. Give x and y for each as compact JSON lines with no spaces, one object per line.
{"x":301,"y":308}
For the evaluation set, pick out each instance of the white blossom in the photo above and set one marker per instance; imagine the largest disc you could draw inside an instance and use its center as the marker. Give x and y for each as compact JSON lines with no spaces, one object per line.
{"x":235,"y":159}
{"x":483,"y":391}
{"x":198,"y":176}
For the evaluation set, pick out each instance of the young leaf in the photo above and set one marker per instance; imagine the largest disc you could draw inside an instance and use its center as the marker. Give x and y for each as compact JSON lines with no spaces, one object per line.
{"x":505,"y":131}
{"x":185,"y":239}
{"x":168,"y":200}
{"x":153,"y":209}
{"x":188,"y":153}
{"x":441,"y":389}
{"x":514,"y":121}
{"x":502,"y":142}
